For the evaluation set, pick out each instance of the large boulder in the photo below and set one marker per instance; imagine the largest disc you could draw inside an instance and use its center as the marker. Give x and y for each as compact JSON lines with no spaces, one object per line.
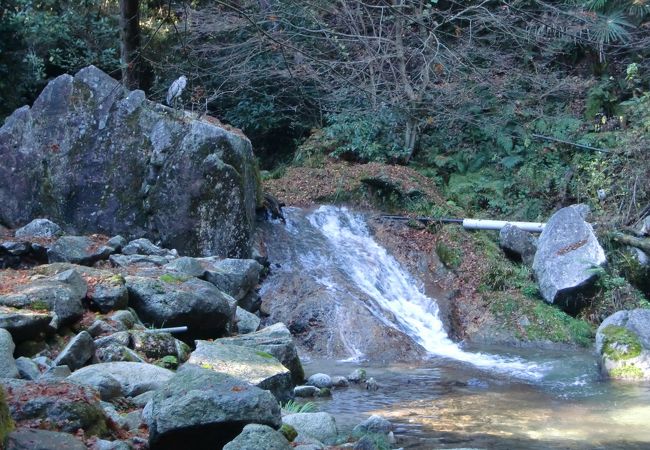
{"x":8,"y":367}
{"x":173,"y":300}
{"x":277,"y":341}
{"x":235,"y":277}
{"x":60,"y":294}
{"x":257,"y":437}
{"x":65,"y":406}
{"x":203,"y":410}
{"x":29,"y":439}
{"x":134,"y":378}
{"x":95,"y":157}
{"x":319,"y":425}
{"x":254,"y":366}
{"x":77,"y":250}
{"x":623,"y":344}
{"x":567,"y":252}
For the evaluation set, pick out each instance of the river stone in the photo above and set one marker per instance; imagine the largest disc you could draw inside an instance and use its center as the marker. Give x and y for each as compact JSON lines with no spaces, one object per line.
{"x":203,"y":410}
{"x":567,"y":251}
{"x":144,"y":247}
{"x":77,"y":250}
{"x":30,"y":439}
{"x":518,"y":243}
{"x":319,"y":425}
{"x":60,"y":294}
{"x":134,"y":377}
{"x":320,"y":380}
{"x":254,"y":366}
{"x":39,"y":228}
{"x":138,"y":260}
{"x":235,"y":277}
{"x":374,"y":424}
{"x":186,"y":265}
{"x":246,"y":322}
{"x":623,"y":344}
{"x":65,"y":405}
{"x":276,"y":340}
{"x":8,"y":367}
{"x":24,"y":324}
{"x":78,"y":352}
{"x":340,"y":382}
{"x":27,"y":369}
{"x":93,"y":156}
{"x":305,"y":391}
{"x":257,"y":437}
{"x":197,"y":304}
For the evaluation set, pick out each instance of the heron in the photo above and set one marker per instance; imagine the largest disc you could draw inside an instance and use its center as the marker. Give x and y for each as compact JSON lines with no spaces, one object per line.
{"x":176,"y":89}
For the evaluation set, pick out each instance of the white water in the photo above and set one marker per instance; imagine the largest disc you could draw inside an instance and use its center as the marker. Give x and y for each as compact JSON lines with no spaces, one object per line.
{"x":380,"y":276}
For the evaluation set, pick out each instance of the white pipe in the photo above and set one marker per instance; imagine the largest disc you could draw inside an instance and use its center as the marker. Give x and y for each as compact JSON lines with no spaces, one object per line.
{"x":483,"y":224}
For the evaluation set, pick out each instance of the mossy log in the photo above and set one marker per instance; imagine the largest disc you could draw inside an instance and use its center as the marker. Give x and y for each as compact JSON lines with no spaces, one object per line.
{"x":641,"y":243}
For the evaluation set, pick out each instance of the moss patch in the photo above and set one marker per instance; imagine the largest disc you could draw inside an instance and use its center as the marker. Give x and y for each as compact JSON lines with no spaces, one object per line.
{"x":173,"y":278}
{"x":627,"y":372}
{"x":620,"y":344}
{"x":288,"y":431}
{"x":6,"y":424}
{"x":264,"y":354}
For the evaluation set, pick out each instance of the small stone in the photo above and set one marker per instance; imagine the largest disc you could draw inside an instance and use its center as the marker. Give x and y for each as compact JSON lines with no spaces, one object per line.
{"x":340,"y":382}
{"x":305,"y":391}
{"x":27,"y":368}
{"x":320,"y":380}
{"x":373,"y":425}
{"x":357,"y":376}
{"x":371,"y":384}
{"x":78,"y":351}
{"x":246,"y":322}
{"x":324,"y":392}
{"x":56,"y":373}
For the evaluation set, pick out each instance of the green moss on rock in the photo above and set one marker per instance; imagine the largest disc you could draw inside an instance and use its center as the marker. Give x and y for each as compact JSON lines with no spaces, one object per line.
{"x":6,"y":424}
{"x":173,"y":278}
{"x":288,"y":431}
{"x":627,"y":372}
{"x":620,"y":344}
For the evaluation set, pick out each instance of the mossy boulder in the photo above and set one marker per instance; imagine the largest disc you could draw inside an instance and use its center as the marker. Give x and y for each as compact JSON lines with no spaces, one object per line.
{"x":6,"y":424}
{"x":94,"y":157}
{"x":623,"y":343}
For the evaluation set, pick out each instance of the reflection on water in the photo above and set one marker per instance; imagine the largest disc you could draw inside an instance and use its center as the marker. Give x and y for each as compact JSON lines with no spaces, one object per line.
{"x":446,"y":404}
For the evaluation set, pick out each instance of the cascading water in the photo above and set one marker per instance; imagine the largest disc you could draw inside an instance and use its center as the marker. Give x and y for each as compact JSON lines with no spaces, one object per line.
{"x":346,"y":251}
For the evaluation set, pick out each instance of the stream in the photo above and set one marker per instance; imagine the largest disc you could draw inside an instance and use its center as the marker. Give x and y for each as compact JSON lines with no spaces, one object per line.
{"x":456,"y":396}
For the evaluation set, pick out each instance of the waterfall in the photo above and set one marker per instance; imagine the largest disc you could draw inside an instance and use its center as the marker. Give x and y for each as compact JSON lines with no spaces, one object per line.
{"x":343,"y":255}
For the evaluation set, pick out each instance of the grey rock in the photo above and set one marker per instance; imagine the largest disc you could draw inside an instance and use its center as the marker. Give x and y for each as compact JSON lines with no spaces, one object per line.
{"x":235,"y":277}
{"x":374,"y":425}
{"x":154,"y":345}
{"x":119,"y":338}
{"x":134,"y":377}
{"x":199,"y":190}
{"x":319,"y":425}
{"x":144,"y":247}
{"x":78,"y":352}
{"x":257,"y":437}
{"x":197,"y":304}
{"x":340,"y":382}
{"x":519,"y":243}
{"x":24,"y":325}
{"x":371,"y":442}
{"x":43,"y":363}
{"x":102,"y":444}
{"x":142,"y":399}
{"x":117,"y":353}
{"x":567,"y":250}
{"x":60,"y":294}
{"x":202,"y":410}
{"x":116,"y":243}
{"x":254,"y":366}
{"x":186,"y":265}
{"x":357,"y":376}
{"x":77,"y":250}
{"x":246,"y":322}
{"x":127,"y":317}
{"x":27,"y":368}
{"x":8,"y":367}
{"x":623,"y":345}
{"x":306,"y":442}
{"x":105,"y":383}
{"x":276,"y":340}
{"x":132,"y":420}
{"x":67,"y":406}
{"x":138,"y":260}
{"x":39,"y":228}
{"x":644,"y":227}
{"x":583,"y":210}
{"x":371,"y":384}
{"x":251,"y":302}
{"x":30,"y":439}
{"x":56,"y":373}
{"x":305,"y":391}
{"x":109,"y":295}
{"x":320,"y":380}
{"x":15,"y":248}
{"x":100,"y":327}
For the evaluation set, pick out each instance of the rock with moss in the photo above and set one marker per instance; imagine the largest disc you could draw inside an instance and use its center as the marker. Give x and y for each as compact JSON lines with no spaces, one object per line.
{"x":623,"y":343}
{"x":254,"y":366}
{"x":203,"y":410}
{"x":96,"y":157}
{"x":319,"y":425}
{"x":60,"y":295}
{"x":235,"y":277}
{"x":256,"y":437}
{"x":197,"y":304}
{"x":6,"y":423}
{"x":134,"y":378}
{"x":567,"y":252}
{"x":277,"y":341}
{"x":64,"y":405}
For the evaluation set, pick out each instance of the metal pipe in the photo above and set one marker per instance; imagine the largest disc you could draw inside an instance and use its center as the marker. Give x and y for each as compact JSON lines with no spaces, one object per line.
{"x":167,"y":330}
{"x":484,"y":224}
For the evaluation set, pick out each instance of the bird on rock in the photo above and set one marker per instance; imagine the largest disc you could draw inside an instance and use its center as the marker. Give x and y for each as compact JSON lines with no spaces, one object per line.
{"x":176,"y":89}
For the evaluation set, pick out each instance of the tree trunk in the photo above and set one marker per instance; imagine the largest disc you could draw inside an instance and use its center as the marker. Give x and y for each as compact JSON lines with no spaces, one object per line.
{"x":130,"y":42}
{"x":641,"y":243}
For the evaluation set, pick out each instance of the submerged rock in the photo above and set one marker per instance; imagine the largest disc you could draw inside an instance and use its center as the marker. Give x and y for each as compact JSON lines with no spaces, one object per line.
{"x":567,"y":252}
{"x":95,"y":157}
{"x":623,"y":343}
